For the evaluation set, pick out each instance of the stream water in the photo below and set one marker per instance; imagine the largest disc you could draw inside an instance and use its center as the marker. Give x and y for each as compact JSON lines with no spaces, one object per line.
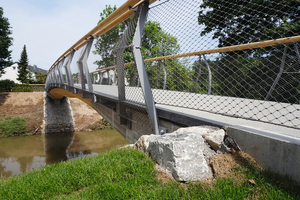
{"x":24,"y":154}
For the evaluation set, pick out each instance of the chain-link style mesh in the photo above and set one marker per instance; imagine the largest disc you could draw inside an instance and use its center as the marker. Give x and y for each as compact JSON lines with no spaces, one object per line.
{"x":259,"y":81}
{"x":237,"y":58}
{"x":130,"y":93}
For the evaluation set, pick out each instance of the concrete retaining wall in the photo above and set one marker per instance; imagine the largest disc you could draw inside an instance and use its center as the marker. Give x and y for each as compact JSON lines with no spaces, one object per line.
{"x":276,"y":152}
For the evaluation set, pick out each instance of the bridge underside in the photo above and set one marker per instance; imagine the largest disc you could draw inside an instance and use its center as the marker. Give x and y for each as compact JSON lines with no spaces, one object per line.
{"x":109,"y":107}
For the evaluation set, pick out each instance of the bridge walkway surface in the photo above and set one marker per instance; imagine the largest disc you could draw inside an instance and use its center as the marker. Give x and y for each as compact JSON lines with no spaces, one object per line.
{"x":190,"y":104}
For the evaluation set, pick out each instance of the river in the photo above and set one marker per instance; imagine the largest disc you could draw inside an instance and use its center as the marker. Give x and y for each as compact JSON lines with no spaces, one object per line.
{"x":24,"y":154}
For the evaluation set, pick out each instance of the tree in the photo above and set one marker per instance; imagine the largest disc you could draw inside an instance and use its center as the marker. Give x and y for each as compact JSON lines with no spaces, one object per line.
{"x":155,"y":43}
{"x":251,"y":73}
{"x":5,"y":42}
{"x":105,"y":43}
{"x":24,"y":73}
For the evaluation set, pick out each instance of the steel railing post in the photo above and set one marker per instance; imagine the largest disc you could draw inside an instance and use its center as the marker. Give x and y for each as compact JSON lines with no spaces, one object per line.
{"x":209,"y":74}
{"x":83,"y":67}
{"x":279,"y":73}
{"x":141,"y":68}
{"x":59,"y":66}
{"x":68,"y":70}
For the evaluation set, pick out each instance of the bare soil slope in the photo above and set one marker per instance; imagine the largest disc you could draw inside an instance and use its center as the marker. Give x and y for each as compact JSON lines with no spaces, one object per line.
{"x":31,"y":105}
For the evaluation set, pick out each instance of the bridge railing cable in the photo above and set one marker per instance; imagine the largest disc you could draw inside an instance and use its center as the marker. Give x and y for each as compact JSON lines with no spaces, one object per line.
{"x":234,"y":58}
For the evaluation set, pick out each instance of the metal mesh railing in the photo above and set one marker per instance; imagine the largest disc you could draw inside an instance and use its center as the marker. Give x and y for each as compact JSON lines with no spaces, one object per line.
{"x":249,"y":81}
{"x":237,"y":58}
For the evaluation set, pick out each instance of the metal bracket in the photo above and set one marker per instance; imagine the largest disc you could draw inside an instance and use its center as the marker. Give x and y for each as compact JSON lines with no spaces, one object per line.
{"x":162,"y":130}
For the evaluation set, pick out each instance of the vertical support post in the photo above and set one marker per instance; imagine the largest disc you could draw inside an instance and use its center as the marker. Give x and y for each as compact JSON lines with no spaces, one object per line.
{"x":83,"y":67}
{"x":55,"y":75}
{"x":109,"y":78}
{"x":279,"y":73}
{"x":165,"y":76}
{"x":198,"y":75}
{"x":297,"y":51}
{"x":68,"y":70}
{"x":120,"y":67}
{"x":141,"y":68}
{"x":158,"y":76}
{"x":59,"y":69}
{"x":209,"y":75}
{"x":100,"y":77}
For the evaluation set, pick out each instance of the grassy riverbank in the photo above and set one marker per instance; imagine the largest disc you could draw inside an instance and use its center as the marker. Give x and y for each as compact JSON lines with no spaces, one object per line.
{"x":12,"y":126}
{"x":129,"y":174}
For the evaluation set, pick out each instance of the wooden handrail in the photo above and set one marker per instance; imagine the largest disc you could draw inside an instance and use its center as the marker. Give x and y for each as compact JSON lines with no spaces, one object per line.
{"x":253,"y":45}
{"x":118,"y":16}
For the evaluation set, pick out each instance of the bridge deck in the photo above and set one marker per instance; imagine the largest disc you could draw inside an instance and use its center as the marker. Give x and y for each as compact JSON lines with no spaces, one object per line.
{"x":222,"y":109}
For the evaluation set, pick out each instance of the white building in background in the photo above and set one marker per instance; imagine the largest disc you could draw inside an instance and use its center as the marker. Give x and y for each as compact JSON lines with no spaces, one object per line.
{"x":11,"y":73}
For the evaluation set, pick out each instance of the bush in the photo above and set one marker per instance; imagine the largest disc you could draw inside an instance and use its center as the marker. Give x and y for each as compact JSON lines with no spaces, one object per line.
{"x":102,"y":124}
{"x":22,"y":88}
{"x":6,"y":85}
{"x":12,"y":126}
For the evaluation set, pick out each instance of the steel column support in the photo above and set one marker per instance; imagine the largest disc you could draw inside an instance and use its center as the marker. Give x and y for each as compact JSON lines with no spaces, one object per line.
{"x":83,"y":67}
{"x":120,"y":48}
{"x":165,"y":76}
{"x":108,"y":75}
{"x":59,"y":66}
{"x":198,"y":75}
{"x":68,"y":69}
{"x":55,"y":75}
{"x":100,"y":77}
{"x":141,"y":68}
{"x":209,"y":74}
{"x":279,"y":73}
{"x":297,"y":51}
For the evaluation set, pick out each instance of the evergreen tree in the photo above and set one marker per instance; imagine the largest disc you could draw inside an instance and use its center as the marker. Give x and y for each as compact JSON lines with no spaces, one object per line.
{"x":23,"y":64}
{"x":5,"y":42}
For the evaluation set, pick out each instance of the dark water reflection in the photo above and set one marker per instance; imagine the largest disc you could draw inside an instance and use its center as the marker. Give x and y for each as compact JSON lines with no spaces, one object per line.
{"x":24,"y":154}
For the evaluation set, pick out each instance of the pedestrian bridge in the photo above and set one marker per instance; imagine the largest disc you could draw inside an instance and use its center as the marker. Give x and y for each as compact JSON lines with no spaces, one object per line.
{"x":151,"y":67}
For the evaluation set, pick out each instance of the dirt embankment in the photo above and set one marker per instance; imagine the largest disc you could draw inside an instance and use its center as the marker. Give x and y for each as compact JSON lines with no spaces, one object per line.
{"x":31,"y":105}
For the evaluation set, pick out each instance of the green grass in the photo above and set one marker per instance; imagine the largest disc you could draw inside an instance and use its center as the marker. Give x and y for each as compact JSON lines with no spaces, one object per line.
{"x":129,"y":174}
{"x":12,"y":126}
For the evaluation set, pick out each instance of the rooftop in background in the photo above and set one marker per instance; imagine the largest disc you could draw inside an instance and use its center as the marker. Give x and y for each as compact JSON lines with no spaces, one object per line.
{"x":35,"y":69}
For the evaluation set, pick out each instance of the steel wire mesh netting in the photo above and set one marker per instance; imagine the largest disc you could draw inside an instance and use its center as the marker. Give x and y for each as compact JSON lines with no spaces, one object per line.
{"x":259,"y":82}
{"x":115,"y":49}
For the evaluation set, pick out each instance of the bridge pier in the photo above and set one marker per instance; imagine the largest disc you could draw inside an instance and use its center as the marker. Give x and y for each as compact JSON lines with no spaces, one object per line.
{"x":58,"y":116}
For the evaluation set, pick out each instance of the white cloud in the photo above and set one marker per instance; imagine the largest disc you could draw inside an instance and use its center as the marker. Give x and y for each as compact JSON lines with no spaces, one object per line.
{"x":49,"y":28}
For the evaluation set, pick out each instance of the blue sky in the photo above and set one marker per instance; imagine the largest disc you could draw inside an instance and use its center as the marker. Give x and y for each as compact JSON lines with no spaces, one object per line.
{"x":49,"y":27}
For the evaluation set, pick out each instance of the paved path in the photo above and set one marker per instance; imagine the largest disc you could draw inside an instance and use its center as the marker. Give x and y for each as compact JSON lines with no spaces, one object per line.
{"x":222,"y":109}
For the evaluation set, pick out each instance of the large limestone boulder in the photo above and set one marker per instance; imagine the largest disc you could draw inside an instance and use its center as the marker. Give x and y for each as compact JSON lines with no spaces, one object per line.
{"x":143,"y":142}
{"x":213,"y":135}
{"x":182,"y":155}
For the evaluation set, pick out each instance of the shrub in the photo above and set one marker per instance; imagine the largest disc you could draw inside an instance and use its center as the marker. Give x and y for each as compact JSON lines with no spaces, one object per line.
{"x":22,"y":88}
{"x":6,"y":85}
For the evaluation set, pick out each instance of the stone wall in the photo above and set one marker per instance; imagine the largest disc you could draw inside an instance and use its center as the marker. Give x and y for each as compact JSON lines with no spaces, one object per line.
{"x":58,"y":116}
